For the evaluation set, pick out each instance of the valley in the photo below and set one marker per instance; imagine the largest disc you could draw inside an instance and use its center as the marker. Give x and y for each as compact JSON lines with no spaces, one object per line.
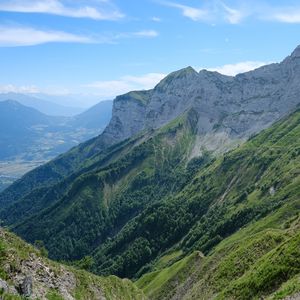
{"x":30,"y":138}
{"x":10,"y":171}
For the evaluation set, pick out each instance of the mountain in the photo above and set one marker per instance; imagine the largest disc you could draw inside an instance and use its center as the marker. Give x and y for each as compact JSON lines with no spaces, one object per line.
{"x":199,"y":176}
{"x":230,"y":110}
{"x":45,"y":106}
{"x":29,"y":137}
{"x":20,"y":126}
{"x":98,"y":116}
{"x":27,"y":133}
{"x":26,"y":273}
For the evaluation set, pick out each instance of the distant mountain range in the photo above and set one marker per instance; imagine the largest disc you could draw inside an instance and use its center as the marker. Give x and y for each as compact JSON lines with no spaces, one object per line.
{"x":45,"y":106}
{"x":27,"y":135}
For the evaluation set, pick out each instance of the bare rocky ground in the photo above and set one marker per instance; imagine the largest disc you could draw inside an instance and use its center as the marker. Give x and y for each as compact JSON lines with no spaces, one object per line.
{"x":25,"y":273}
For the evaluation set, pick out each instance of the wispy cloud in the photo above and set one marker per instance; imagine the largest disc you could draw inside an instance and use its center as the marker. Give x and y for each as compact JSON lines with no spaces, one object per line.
{"x":17,"y":36}
{"x":218,"y":11}
{"x":135,"y":34}
{"x":241,"y":67}
{"x":112,"y":88}
{"x":156,"y":19}
{"x":146,"y":33}
{"x":285,"y":15}
{"x":24,"y":89}
{"x":193,"y":13}
{"x":211,"y":12}
{"x":27,"y":36}
{"x":233,"y":16}
{"x":105,"y":10}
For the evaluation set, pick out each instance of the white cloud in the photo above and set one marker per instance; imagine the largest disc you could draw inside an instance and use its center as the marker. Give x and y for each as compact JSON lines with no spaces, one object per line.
{"x":241,"y":67}
{"x":106,"y":11}
{"x":156,"y":19}
{"x":26,"y":36}
{"x":136,"y":34}
{"x":112,"y":88}
{"x":146,"y":33}
{"x":10,"y":88}
{"x":195,"y":14}
{"x":233,"y":16}
{"x":192,"y":13}
{"x":286,"y":16}
{"x":213,"y":11}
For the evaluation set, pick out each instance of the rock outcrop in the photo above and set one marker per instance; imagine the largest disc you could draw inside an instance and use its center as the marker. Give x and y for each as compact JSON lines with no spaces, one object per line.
{"x":229,"y":108}
{"x":27,"y":274}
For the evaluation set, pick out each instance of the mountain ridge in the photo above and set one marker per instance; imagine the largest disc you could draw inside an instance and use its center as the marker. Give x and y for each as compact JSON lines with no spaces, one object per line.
{"x":44,"y":106}
{"x":123,"y":124}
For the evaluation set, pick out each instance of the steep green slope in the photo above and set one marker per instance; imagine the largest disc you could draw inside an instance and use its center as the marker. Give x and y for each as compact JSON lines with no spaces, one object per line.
{"x":140,"y":206}
{"x":258,"y":261}
{"x":243,"y":186}
{"x":93,"y":204}
{"x":255,"y":215}
{"x":25,"y":273}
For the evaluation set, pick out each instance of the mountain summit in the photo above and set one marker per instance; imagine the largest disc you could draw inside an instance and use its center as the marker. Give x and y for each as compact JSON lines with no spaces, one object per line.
{"x":229,"y":108}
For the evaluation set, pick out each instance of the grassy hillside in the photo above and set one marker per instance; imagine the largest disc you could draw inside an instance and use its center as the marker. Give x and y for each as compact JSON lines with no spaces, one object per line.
{"x":224,"y":227}
{"x":260,"y":260}
{"x":250,"y":230}
{"x":93,"y":204}
{"x":226,"y":194}
{"x":20,"y":263}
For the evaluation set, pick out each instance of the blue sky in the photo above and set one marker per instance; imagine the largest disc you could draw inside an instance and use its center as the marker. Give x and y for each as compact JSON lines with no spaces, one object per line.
{"x":107,"y":47}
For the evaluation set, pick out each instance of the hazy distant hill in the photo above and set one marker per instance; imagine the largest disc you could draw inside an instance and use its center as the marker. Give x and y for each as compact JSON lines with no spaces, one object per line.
{"x":44,"y":106}
{"x":29,"y":137}
{"x":20,"y":126}
{"x":97,"y":116}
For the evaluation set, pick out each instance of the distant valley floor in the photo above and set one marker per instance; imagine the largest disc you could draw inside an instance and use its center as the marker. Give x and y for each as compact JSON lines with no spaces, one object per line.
{"x":10,"y":171}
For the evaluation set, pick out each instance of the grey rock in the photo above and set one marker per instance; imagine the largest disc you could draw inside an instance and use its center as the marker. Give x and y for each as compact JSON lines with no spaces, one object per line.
{"x":26,"y":287}
{"x":230,"y":109}
{"x":3,"y":285}
{"x":294,"y":297}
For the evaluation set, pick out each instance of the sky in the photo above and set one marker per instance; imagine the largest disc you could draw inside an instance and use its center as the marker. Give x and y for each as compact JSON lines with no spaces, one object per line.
{"x":103,"y":48}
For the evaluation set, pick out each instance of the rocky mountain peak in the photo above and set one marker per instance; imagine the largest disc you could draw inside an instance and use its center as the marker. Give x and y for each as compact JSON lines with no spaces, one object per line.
{"x":229,"y":108}
{"x":185,"y":74}
{"x":296,"y":53}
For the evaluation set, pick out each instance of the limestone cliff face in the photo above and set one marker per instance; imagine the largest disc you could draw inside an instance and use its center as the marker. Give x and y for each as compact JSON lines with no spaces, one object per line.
{"x":229,"y":108}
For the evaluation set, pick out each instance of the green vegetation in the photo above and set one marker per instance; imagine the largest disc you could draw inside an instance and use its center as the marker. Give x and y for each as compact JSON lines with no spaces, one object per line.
{"x":104,"y":196}
{"x":142,"y":209}
{"x":260,"y":260}
{"x":54,"y":295}
{"x":141,"y":97}
{"x":19,"y":259}
{"x":161,"y":284}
